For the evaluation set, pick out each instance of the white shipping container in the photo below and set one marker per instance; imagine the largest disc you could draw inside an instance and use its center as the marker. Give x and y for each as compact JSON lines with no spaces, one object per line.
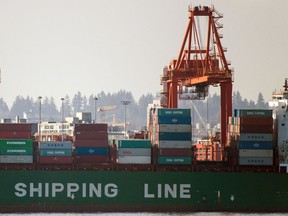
{"x":173,"y":144}
{"x":187,"y":128}
{"x":256,"y":153}
{"x":16,"y":159}
{"x":134,"y":151}
{"x":134,"y":159}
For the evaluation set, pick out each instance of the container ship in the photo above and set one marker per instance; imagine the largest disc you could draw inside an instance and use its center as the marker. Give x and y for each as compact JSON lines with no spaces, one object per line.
{"x":244,"y":169}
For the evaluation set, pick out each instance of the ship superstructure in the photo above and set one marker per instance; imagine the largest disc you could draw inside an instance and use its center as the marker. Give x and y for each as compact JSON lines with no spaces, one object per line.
{"x":279,"y":105}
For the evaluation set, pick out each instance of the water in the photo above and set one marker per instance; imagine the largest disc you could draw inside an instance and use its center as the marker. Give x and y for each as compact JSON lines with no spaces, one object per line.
{"x":149,"y":214}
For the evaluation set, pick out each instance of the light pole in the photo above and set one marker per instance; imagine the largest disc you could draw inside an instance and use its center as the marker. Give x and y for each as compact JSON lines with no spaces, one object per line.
{"x":62,"y":99}
{"x":125,"y":103}
{"x":95,"y":106}
{"x":40,"y":121}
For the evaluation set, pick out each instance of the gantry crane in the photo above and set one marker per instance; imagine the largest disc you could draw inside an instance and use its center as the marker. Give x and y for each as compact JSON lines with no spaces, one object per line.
{"x":103,"y":109}
{"x":199,"y":65}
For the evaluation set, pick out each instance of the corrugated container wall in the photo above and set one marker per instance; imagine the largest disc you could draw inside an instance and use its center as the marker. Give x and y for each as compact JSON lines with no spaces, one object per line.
{"x":91,"y":143}
{"x":251,"y":132}
{"x":171,"y":130}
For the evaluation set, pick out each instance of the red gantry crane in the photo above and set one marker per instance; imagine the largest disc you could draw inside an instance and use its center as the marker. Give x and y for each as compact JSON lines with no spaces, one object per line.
{"x":201,"y":62}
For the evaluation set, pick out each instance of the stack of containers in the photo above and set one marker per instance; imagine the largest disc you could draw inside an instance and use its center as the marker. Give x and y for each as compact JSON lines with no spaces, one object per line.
{"x":251,"y":131}
{"x":134,"y":151}
{"x":172,"y":132}
{"x":55,"y":152}
{"x":91,"y":143}
{"x":16,"y":144}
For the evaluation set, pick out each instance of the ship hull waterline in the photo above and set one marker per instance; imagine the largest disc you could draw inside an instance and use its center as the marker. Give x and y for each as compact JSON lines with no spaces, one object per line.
{"x":142,"y":191}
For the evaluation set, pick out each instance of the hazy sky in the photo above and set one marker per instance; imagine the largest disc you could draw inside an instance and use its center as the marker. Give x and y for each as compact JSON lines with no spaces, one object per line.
{"x":58,"y":47}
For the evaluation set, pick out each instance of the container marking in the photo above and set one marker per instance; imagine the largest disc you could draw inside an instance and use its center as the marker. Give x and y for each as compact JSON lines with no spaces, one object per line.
{"x":49,"y":190}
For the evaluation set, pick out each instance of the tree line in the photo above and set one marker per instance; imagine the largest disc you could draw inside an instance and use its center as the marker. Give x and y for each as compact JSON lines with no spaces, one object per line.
{"x":136,"y":112}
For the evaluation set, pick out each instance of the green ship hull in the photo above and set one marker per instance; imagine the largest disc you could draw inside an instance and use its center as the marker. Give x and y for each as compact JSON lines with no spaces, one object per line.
{"x":141,"y":191}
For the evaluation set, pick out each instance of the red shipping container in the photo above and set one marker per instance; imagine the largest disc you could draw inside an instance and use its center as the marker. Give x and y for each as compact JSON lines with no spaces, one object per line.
{"x":174,"y":152}
{"x":93,"y":159}
{"x":90,"y":127}
{"x":15,"y":127}
{"x":15,"y":134}
{"x":91,"y":135}
{"x":91,"y":143}
{"x":55,"y":160}
{"x":256,"y":121}
{"x":256,"y":129}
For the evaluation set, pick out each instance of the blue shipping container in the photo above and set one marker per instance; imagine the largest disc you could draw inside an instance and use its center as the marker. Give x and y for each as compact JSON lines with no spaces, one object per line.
{"x":103,"y":151}
{"x":55,"y":145}
{"x":255,"y":145}
{"x":174,"y":120}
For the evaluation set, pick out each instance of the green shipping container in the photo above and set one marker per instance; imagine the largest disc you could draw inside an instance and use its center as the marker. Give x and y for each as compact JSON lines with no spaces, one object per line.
{"x":16,"y":151}
{"x":174,"y":160}
{"x":134,"y":144}
{"x":16,"y":143}
{"x":252,"y":113}
{"x":173,"y":112}
{"x":56,"y":152}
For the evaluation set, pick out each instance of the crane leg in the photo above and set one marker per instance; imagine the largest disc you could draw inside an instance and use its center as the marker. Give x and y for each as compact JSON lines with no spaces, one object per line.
{"x":172,"y":98}
{"x":226,"y":111}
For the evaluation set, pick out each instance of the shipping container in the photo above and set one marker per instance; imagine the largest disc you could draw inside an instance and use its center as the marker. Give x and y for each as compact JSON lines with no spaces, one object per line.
{"x":134,"y":143}
{"x":173,"y":120}
{"x":56,"y":152}
{"x":256,"y":129}
{"x":15,"y":135}
{"x":256,"y":153}
{"x":175,"y":152}
{"x":90,"y":127}
{"x":92,"y":159}
{"x":55,"y":160}
{"x":16,"y":151}
{"x":16,"y":143}
{"x":134,"y":151}
{"x":252,"y":113}
{"x":55,"y":145}
{"x":174,"y":160}
{"x":102,"y":151}
{"x":15,"y":127}
{"x":22,"y":159}
{"x":256,"y":161}
{"x":183,"y":128}
{"x":173,"y":136}
{"x":134,"y":159}
{"x":88,"y":135}
{"x":91,"y":143}
{"x":256,"y":137}
{"x":255,"y":144}
{"x":255,"y":121}
{"x":173,"y":112}
{"x":173,"y":144}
